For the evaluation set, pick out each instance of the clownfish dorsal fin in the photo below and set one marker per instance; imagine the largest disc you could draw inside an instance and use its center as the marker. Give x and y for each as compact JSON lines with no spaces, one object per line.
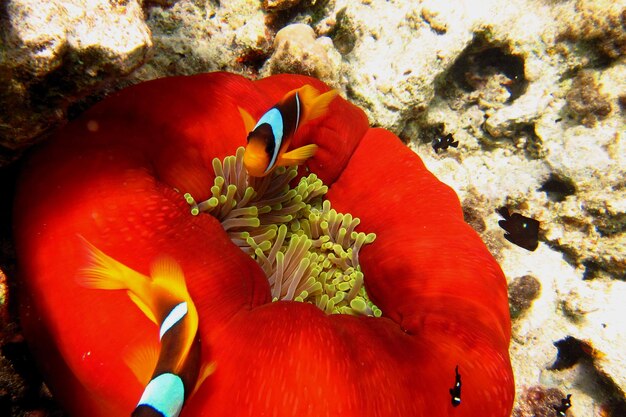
{"x":142,"y":360}
{"x":165,"y":268}
{"x":314,"y":103}
{"x":297,"y":156}
{"x":167,"y":273}
{"x":248,"y":120}
{"x":205,"y":371}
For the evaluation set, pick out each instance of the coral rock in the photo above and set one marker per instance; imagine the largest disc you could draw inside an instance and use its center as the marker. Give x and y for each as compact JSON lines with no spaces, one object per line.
{"x":586,"y":101}
{"x":52,"y":52}
{"x":296,"y":50}
{"x":276,"y":5}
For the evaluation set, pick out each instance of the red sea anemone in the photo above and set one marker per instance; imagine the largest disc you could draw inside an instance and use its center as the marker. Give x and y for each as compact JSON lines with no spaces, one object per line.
{"x":117,"y":177}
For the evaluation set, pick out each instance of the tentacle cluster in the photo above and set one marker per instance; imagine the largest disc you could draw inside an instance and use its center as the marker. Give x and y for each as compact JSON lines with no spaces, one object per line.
{"x":308,"y":251}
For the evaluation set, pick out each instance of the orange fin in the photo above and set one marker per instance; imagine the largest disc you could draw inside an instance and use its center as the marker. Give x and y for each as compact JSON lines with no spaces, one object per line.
{"x":145,"y":309}
{"x":106,"y":273}
{"x":314,"y":103}
{"x":142,"y":361}
{"x":248,"y":120}
{"x":205,"y":371}
{"x":166,"y":269}
{"x":166,"y":273}
{"x":297,"y":156}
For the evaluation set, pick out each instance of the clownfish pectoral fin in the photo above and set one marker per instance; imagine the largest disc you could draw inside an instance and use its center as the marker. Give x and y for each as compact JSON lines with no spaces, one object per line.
{"x":314,"y":103}
{"x":297,"y":156}
{"x":205,"y":371}
{"x":248,"y":120}
{"x":143,"y":307}
{"x":142,"y":361}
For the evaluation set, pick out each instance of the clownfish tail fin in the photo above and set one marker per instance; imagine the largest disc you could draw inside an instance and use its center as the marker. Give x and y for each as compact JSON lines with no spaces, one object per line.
{"x":297,"y":156}
{"x":105,"y":273}
{"x":314,"y":103}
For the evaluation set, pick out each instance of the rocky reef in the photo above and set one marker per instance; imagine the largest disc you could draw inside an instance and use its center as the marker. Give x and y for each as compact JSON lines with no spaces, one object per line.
{"x":532,"y":92}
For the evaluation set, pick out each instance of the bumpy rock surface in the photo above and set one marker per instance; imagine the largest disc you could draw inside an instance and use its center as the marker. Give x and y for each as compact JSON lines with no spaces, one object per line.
{"x":534,"y":91}
{"x":53,"y":52}
{"x":298,"y":49}
{"x":201,"y":36}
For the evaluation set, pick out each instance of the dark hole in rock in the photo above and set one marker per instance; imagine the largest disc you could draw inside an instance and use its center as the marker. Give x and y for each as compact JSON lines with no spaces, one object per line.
{"x":622,"y":102}
{"x":28,"y":395}
{"x":282,"y":13}
{"x":75,"y":109}
{"x":8,"y":178}
{"x":21,"y":361}
{"x":532,"y":143}
{"x":571,"y":351}
{"x":480,"y":62}
{"x":592,"y":270}
{"x":276,"y":20}
{"x":253,"y":60}
{"x":557,"y":188}
{"x":7,"y":157}
{"x":615,"y":407}
{"x":162,"y":3}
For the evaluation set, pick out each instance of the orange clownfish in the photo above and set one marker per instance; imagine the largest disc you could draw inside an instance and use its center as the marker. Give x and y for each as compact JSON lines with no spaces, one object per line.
{"x":163,"y":298}
{"x":270,"y":137}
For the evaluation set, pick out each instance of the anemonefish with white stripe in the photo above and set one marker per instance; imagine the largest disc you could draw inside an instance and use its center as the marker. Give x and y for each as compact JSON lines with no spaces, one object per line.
{"x":175,"y":364}
{"x":271,"y":135}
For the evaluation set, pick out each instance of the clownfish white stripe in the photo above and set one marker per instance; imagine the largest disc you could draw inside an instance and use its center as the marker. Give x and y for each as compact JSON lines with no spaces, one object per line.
{"x":166,"y":394}
{"x":297,"y":112}
{"x":172,"y":318}
{"x":274,"y":118}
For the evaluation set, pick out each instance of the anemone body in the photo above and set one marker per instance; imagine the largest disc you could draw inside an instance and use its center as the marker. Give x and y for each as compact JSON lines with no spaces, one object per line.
{"x":117,"y":176}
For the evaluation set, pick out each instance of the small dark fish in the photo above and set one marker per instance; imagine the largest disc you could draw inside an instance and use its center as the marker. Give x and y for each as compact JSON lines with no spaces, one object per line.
{"x":443,"y":142}
{"x":455,"y":391}
{"x":521,"y":230}
{"x":566,"y":403}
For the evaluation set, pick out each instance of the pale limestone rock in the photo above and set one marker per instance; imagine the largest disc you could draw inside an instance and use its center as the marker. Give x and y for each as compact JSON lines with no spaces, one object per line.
{"x":298,"y":50}
{"x":277,"y":5}
{"x":202,"y":36}
{"x":51,"y":52}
